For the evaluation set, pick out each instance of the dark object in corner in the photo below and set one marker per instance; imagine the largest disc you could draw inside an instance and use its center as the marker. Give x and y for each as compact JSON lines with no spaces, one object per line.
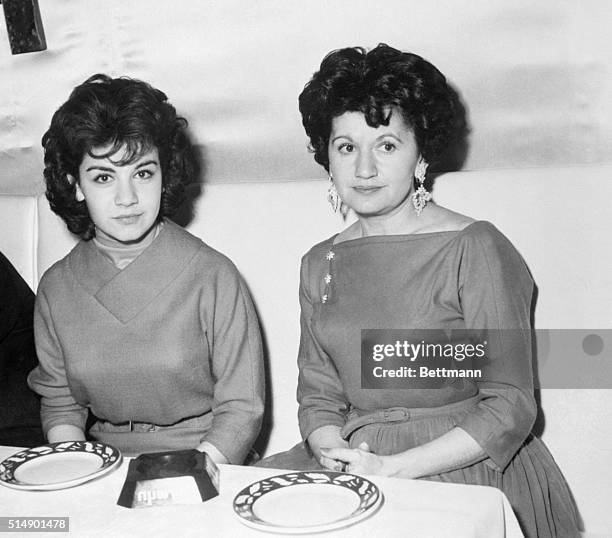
{"x":24,"y":26}
{"x":19,"y":406}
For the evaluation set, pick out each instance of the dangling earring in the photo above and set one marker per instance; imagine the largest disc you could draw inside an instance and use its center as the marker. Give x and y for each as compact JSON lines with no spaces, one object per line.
{"x":422,"y":195}
{"x":334,"y":199}
{"x":332,"y":195}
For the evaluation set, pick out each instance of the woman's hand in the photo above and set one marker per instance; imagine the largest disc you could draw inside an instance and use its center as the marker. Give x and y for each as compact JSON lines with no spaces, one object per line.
{"x":325,"y":438}
{"x":65,"y":432}
{"x":331,"y":463}
{"x":359,"y":460}
{"x":214,"y":453}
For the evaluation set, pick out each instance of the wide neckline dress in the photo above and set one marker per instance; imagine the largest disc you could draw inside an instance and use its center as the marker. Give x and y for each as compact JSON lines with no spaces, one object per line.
{"x":468,"y":279}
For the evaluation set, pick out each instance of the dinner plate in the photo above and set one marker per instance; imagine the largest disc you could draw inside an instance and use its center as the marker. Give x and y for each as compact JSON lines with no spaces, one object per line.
{"x":58,"y":465}
{"x":305,"y":502}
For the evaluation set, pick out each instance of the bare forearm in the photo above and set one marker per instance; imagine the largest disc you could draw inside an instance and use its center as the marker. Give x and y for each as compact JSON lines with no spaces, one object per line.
{"x":453,"y":450}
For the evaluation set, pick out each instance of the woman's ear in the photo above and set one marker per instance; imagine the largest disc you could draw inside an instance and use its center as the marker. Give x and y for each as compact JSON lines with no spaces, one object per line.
{"x":80,"y":197}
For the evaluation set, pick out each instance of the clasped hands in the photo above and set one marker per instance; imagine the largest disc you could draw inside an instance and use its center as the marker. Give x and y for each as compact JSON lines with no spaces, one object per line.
{"x":359,"y":460}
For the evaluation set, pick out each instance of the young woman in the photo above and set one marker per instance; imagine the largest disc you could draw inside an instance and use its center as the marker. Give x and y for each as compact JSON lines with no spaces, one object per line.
{"x":141,"y":323}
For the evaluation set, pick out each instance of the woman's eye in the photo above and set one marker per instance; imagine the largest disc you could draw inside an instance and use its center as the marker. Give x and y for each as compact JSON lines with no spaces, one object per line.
{"x":144,"y":174}
{"x":346,"y":148}
{"x":102,"y":178}
{"x":388,"y":146}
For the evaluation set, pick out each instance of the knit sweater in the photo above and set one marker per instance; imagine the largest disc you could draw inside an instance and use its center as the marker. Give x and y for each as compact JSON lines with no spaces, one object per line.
{"x":171,"y":336}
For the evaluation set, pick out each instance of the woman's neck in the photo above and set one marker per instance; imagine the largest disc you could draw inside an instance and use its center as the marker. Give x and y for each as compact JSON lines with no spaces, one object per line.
{"x":122,"y":254}
{"x":403,"y":221}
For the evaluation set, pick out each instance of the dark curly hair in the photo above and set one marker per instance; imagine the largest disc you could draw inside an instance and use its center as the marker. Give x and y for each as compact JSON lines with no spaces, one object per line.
{"x":374,"y":83}
{"x":120,"y":112}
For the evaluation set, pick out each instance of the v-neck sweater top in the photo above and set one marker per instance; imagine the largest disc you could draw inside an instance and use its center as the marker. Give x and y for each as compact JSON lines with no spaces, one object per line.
{"x":173,"y":335}
{"x":472,"y":279}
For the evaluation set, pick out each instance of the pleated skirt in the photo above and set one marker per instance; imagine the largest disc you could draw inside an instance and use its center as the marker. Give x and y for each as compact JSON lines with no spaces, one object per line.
{"x":533,"y":483}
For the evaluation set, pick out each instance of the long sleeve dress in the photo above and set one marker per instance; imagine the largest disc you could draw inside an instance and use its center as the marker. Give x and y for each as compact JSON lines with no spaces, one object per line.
{"x":469,"y":280}
{"x":165,"y":352}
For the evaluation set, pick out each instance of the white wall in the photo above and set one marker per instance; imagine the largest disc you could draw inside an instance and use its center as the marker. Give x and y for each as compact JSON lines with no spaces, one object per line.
{"x":535,"y":75}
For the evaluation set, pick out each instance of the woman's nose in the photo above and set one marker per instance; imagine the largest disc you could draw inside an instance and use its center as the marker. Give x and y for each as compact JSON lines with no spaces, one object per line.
{"x":126,"y":193}
{"x":366,"y":165}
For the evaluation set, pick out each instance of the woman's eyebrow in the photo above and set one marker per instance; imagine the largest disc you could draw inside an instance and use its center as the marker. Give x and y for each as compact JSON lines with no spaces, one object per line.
{"x":392,"y":135}
{"x":380,"y":137}
{"x":147,"y":163}
{"x":99,"y":167}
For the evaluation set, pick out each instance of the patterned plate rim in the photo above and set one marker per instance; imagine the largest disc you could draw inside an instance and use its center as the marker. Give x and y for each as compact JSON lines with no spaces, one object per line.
{"x":370,"y":499}
{"x":111,"y":457}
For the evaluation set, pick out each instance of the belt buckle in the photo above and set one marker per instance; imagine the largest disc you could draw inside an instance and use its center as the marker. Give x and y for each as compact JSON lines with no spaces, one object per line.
{"x":141,"y":426}
{"x":397,"y":414}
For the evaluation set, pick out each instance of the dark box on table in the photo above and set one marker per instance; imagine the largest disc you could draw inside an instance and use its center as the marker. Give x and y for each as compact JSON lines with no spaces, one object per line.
{"x":163,"y":478}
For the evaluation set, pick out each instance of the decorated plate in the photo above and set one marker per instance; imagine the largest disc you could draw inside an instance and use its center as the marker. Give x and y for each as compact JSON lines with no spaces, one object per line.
{"x":58,"y":465}
{"x":305,"y":502}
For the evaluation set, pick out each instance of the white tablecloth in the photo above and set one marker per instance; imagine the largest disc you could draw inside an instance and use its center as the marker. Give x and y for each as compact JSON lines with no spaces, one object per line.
{"x":411,"y":508}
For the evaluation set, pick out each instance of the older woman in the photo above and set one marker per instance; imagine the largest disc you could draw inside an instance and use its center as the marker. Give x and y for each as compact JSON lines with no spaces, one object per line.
{"x":376,"y":121}
{"x":141,"y":323}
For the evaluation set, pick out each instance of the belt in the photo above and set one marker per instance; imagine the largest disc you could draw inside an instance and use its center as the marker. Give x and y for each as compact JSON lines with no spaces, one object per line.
{"x":201,"y":421}
{"x":133,"y":426}
{"x":358,"y":418}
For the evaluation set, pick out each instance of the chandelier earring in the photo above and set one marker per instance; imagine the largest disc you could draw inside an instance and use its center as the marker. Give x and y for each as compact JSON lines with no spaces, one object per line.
{"x":421,"y":196}
{"x":334,"y":199}
{"x":332,"y":195}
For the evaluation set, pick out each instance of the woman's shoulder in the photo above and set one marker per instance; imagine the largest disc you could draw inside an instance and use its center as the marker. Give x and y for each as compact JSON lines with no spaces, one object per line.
{"x":486,"y":235}
{"x":197,"y":249}
{"x":58,"y":272}
{"x":467,"y":228}
{"x":486,"y":250}
{"x":353,"y":231}
{"x":320,"y":250}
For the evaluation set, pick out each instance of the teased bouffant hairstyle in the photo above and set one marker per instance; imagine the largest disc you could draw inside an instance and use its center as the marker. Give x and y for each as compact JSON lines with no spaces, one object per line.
{"x":353,"y":80}
{"x":120,"y":112}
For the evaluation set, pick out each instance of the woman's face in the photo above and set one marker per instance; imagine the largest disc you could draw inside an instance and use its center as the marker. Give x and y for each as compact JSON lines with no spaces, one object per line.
{"x":123,"y":201}
{"x":372,"y":167}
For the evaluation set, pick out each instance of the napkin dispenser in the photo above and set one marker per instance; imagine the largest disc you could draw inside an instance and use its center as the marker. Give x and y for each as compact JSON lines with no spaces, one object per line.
{"x":164,"y":478}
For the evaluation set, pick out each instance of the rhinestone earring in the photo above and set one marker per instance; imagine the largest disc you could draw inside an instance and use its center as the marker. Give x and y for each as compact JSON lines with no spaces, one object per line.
{"x":332,"y":195}
{"x":421,"y":196}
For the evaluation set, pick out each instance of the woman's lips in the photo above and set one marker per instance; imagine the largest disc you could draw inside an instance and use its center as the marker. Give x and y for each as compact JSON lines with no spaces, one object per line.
{"x":128,"y":219}
{"x":368,"y":190}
